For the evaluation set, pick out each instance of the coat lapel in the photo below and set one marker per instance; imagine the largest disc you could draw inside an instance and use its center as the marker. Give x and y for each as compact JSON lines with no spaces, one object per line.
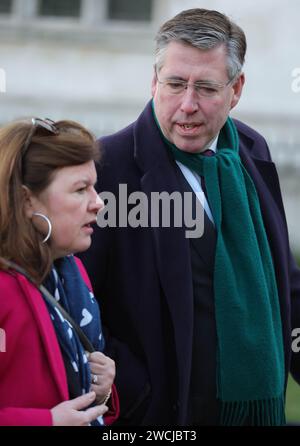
{"x":171,"y":245}
{"x":47,"y":334}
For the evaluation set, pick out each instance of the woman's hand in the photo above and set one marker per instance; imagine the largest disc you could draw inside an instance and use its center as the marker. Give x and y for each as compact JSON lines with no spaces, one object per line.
{"x":103,"y":374}
{"x":71,"y":413}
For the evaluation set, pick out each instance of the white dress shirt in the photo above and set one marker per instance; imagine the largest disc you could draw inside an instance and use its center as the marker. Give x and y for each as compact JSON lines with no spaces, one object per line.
{"x":195,"y":182}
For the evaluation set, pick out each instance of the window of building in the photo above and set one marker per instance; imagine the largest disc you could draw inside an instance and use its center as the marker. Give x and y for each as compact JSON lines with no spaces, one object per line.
{"x":86,"y":12}
{"x":137,"y":10}
{"x":59,"y":8}
{"x":5,"y":6}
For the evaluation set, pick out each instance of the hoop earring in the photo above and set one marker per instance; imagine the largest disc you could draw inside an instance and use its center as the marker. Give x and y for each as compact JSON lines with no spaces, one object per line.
{"x":37,"y":214}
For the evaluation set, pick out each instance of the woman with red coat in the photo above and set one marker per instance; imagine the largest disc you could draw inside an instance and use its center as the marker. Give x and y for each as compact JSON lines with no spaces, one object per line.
{"x":47,"y":206}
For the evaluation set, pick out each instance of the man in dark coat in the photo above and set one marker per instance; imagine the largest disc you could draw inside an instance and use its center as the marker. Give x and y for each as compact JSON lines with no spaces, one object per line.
{"x":194,"y":342}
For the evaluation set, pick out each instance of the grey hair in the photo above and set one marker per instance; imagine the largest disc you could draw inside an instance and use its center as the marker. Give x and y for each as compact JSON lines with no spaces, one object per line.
{"x":204,"y":29}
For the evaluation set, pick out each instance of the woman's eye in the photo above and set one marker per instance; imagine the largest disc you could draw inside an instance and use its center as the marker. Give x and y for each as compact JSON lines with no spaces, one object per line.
{"x":81,"y":190}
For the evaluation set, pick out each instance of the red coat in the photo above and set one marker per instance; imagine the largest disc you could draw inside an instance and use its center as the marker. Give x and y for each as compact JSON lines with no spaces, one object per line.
{"x":32,"y":372}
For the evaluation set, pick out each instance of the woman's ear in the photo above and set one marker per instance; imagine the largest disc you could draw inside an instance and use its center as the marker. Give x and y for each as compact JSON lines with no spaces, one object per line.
{"x":29,"y":200}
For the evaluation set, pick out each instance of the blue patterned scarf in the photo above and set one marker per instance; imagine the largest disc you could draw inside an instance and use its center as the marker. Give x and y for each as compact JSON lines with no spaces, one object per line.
{"x":66,"y":284}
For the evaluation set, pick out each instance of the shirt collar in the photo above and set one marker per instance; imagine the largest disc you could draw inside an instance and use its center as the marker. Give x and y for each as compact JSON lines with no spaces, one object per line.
{"x":212,"y":145}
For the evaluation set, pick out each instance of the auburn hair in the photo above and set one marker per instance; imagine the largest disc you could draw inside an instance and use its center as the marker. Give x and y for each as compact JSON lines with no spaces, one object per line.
{"x":73,"y":145}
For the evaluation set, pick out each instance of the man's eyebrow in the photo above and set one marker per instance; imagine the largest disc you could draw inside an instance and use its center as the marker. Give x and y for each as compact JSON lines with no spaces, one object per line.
{"x":200,"y":82}
{"x":175,"y":78}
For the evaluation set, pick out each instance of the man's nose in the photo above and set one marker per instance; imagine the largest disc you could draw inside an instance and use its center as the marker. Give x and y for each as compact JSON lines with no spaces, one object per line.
{"x":190,"y":100}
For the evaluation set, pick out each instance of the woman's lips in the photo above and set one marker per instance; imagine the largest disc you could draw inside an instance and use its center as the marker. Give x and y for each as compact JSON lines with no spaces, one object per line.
{"x":88,"y":228}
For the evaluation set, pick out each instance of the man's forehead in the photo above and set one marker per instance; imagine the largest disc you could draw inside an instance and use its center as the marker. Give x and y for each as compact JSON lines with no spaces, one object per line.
{"x":187,"y":60}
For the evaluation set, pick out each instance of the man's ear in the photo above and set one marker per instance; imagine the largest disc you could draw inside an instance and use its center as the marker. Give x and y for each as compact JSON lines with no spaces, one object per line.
{"x":154,"y":83}
{"x":28,"y":201}
{"x":237,"y":90}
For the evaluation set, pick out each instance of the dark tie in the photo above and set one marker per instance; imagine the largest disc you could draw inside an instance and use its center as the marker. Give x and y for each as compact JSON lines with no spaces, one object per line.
{"x":208,"y":152}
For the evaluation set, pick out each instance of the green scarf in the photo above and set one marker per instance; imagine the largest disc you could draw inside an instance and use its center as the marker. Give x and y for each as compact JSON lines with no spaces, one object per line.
{"x":250,"y":356}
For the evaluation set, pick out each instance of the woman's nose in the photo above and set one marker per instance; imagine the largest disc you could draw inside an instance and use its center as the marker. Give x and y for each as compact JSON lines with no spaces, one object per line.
{"x":97,"y":203}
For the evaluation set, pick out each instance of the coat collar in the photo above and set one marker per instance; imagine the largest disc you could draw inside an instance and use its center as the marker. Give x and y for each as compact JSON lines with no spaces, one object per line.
{"x":149,"y":149}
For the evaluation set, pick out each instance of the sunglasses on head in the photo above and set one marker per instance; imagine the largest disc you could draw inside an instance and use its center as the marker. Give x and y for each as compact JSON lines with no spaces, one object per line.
{"x":44,"y":126}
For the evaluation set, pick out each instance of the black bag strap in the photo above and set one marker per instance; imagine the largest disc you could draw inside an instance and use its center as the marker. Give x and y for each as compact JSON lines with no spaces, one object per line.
{"x":87,"y":345}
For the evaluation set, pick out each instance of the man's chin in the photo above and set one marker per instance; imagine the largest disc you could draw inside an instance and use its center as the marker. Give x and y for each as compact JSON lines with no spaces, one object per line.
{"x":190,"y":145}
{"x":189,"y":148}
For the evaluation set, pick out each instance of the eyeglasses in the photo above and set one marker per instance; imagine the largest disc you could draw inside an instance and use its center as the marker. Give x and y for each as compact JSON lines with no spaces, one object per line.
{"x":204,"y":89}
{"x":45,"y":126}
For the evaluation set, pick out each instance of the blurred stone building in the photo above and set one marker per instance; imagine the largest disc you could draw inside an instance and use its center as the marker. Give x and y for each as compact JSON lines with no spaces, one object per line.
{"x":91,"y":60}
